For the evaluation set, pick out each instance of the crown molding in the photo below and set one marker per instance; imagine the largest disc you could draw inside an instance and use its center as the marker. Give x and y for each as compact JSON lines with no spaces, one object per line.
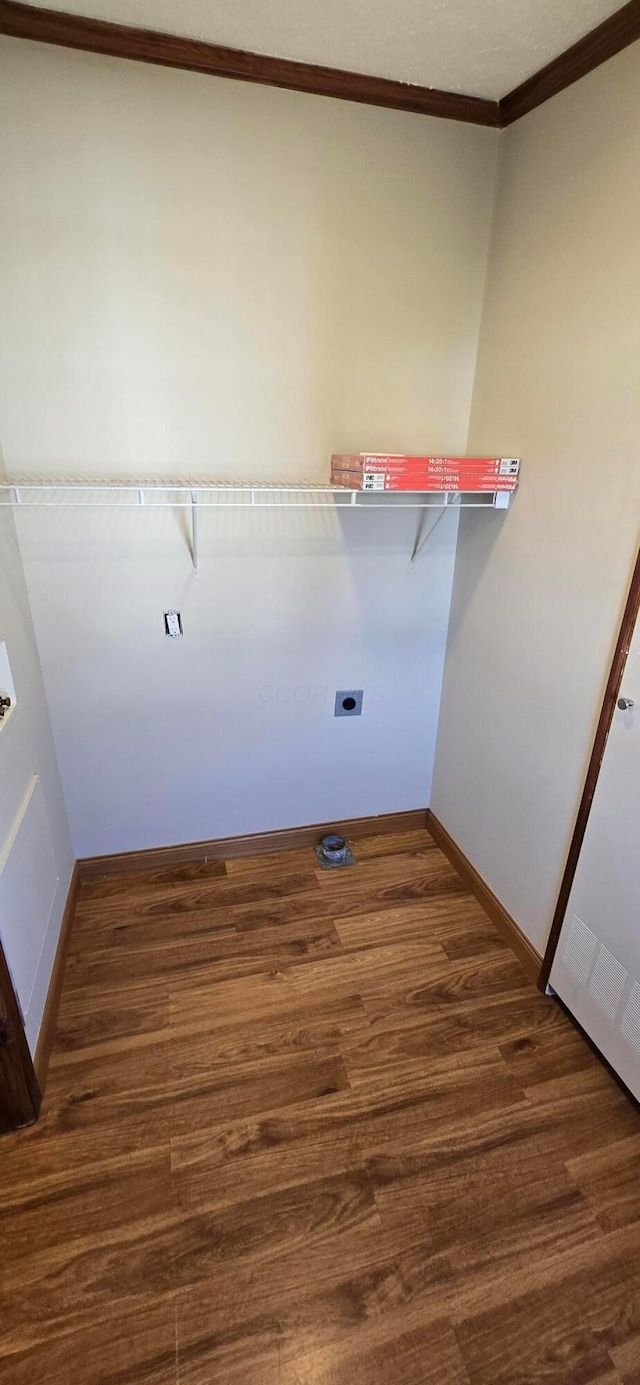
{"x":615,"y":33}
{"x":169,"y":50}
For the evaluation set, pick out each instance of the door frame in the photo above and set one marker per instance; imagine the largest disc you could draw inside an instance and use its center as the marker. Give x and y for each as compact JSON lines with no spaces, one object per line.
{"x":20,"y":1095}
{"x":630,"y":618}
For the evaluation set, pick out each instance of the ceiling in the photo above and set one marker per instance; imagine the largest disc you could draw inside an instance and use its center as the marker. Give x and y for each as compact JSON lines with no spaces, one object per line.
{"x":479,"y":47}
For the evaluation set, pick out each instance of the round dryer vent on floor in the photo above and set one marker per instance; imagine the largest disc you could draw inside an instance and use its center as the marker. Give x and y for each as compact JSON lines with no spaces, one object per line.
{"x":334,"y":852}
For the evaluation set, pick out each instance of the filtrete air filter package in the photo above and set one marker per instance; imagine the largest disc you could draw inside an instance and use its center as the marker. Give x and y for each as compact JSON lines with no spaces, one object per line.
{"x":398,"y":471}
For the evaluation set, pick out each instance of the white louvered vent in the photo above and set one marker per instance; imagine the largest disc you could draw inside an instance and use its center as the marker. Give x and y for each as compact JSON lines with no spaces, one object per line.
{"x":631,"y":1018}
{"x":607,"y":981}
{"x":580,"y":949}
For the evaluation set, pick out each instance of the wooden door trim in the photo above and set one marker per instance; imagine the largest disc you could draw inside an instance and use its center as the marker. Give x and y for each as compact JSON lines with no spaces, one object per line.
{"x":623,"y":644}
{"x":28,"y":1110}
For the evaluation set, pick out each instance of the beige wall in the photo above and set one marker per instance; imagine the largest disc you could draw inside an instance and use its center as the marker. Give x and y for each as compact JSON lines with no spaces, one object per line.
{"x":201,"y":276}
{"x":537,"y":603}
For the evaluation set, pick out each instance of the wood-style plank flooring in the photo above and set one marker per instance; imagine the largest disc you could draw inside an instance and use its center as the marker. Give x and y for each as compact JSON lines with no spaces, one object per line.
{"x":310,"y":1127}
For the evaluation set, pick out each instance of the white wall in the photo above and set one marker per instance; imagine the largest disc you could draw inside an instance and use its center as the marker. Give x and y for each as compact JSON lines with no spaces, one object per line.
{"x":207,"y":277}
{"x":231,"y":729}
{"x":34,"y":869}
{"x":538,"y":599}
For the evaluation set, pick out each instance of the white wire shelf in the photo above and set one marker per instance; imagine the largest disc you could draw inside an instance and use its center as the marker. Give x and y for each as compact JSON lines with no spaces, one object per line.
{"x":30,"y":492}
{"x":185,"y":493}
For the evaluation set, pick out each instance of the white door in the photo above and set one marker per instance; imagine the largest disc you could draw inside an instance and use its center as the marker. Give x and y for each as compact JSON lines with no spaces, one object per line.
{"x":596,"y":969}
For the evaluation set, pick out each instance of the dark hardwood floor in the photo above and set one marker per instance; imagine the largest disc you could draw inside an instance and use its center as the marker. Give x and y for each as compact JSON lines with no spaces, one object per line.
{"x":316,"y":1128}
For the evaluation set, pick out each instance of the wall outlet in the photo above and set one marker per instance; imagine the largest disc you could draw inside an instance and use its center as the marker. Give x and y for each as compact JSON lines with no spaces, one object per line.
{"x":172,"y":624}
{"x":348,"y":702}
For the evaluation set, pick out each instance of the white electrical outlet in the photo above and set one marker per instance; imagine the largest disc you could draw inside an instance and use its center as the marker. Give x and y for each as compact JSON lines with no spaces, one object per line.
{"x":173,"y":624}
